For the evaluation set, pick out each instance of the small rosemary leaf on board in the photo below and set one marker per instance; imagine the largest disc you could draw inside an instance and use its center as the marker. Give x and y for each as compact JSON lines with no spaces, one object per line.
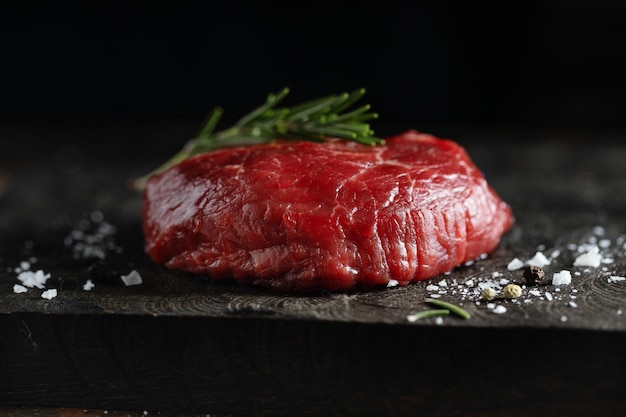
{"x":427,"y":313}
{"x":461,"y":312}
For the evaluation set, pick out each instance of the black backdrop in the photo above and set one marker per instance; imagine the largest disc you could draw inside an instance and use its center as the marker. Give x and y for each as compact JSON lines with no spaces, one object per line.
{"x":525,"y":63}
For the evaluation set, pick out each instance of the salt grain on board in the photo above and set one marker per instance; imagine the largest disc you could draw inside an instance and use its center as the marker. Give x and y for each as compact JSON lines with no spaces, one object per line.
{"x":19,"y":289}
{"x":590,"y":258}
{"x":539,"y":260}
{"x":49,"y":294}
{"x":562,"y":278}
{"x":515,"y":264}
{"x":133,"y":278}
{"x":499,"y":309}
{"x":32,"y":279}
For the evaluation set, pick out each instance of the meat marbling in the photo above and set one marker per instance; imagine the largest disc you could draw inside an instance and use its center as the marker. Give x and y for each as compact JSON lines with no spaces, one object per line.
{"x":338,"y":216}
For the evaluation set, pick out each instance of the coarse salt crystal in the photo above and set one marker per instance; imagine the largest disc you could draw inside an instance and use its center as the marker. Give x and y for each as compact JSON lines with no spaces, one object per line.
{"x":32,"y":279}
{"x":562,"y":278}
{"x":549,"y":296}
{"x":599,"y":231}
{"x":432,"y":287}
{"x":500,"y":309}
{"x":88,"y":286}
{"x":564,"y":318}
{"x":515,"y":264}
{"x":539,"y":260}
{"x":49,"y":294}
{"x":439,"y":320}
{"x":133,"y":278}
{"x":19,"y":289}
{"x":591,"y":258}
{"x":391,"y":283}
{"x":572,"y":304}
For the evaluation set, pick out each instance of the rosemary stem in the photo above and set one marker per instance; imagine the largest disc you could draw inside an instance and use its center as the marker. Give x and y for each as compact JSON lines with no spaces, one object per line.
{"x":453,"y":308}
{"x":427,"y":314}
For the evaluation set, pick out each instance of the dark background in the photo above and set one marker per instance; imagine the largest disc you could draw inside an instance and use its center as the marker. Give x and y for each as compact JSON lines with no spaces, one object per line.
{"x":446,"y":63}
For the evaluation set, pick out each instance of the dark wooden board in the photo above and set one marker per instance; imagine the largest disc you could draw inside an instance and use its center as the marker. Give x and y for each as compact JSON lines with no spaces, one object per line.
{"x":123,"y":347}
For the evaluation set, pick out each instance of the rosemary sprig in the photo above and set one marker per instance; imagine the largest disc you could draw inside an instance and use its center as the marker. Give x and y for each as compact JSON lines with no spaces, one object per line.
{"x":315,"y":120}
{"x":459,"y":311}
{"x":427,"y":314}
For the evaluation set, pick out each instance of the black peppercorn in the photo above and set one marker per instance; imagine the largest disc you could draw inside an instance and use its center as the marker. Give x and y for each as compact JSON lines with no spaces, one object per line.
{"x":533,"y":274}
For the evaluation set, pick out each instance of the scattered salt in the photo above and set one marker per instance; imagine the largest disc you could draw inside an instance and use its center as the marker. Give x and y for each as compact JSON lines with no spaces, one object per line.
{"x":614,"y":278}
{"x":500,"y":309}
{"x":572,"y":304}
{"x":539,"y":260}
{"x":49,"y":294}
{"x":599,"y":231}
{"x":88,"y":286}
{"x":591,"y":258}
{"x":562,"y":278}
{"x":515,"y":264}
{"x":32,"y":279}
{"x":432,"y":287}
{"x":391,"y":283}
{"x":19,"y":289}
{"x":133,"y":278}
{"x":549,"y":296}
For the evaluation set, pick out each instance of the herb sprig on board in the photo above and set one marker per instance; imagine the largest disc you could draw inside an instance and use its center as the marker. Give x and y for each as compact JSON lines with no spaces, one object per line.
{"x":316,"y":120}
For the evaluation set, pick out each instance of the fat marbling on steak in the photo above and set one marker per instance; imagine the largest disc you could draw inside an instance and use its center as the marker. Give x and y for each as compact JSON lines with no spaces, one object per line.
{"x":338,"y":215}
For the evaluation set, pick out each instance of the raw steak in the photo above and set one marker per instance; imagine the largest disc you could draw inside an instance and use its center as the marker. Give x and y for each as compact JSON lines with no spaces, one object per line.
{"x":304,"y":216}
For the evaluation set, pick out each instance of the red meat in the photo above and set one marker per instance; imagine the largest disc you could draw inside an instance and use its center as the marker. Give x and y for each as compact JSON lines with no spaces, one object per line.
{"x":304,"y":216}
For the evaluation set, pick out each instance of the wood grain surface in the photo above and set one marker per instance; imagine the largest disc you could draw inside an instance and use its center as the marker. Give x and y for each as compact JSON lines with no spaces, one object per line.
{"x":220,"y":348}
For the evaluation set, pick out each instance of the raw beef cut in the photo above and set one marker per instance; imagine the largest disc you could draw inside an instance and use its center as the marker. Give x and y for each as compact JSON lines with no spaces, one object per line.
{"x":338,"y":215}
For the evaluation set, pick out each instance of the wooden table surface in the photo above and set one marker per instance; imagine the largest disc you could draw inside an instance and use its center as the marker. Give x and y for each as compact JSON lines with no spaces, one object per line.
{"x":182,"y":345}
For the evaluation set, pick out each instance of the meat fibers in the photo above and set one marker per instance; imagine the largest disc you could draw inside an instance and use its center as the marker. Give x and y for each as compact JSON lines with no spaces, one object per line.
{"x":337,"y":215}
